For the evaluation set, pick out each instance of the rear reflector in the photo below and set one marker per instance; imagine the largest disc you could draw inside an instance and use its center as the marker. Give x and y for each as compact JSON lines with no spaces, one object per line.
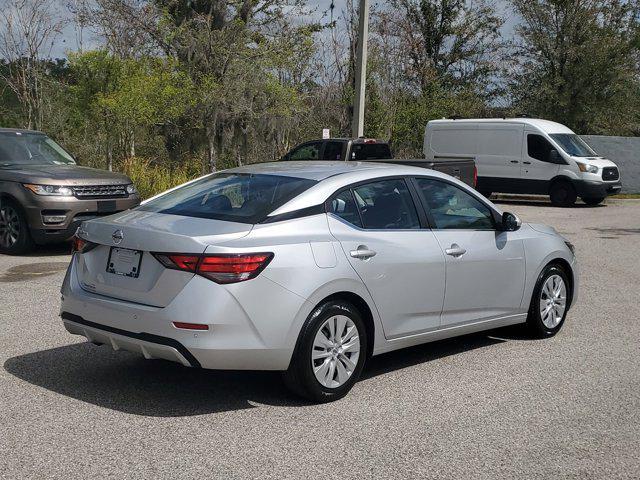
{"x":221,"y":268}
{"x":191,"y":326}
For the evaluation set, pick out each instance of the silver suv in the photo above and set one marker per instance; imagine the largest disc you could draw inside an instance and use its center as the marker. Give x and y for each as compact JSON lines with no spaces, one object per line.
{"x":44,"y":195}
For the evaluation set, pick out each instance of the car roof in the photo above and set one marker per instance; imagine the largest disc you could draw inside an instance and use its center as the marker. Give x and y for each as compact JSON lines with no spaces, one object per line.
{"x":332,"y":176}
{"x":319,"y":170}
{"x":546,"y":126}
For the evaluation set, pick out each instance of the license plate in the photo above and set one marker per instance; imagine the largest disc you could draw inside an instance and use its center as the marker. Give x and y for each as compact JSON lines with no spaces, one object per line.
{"x":107,"y":206}
{"x":125,"y":262}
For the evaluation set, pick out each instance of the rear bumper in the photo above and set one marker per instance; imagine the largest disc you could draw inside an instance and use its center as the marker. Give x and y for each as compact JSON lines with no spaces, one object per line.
{"x":252,"y":334}
{"x":595,"y":189}
{"x":149,"y":345}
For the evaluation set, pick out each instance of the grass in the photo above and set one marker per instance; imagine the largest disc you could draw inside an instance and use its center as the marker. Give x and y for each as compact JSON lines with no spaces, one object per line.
{"x":626,"y":195}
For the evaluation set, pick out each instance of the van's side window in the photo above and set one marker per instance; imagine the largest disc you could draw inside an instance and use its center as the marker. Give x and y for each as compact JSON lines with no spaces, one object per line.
{"x":538,"y":147}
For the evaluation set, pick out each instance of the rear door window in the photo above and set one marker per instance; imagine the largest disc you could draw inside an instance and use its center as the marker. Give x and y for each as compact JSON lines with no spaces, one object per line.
{"x":344,"y":206}
{"x":370,"y":151}
{"x":386,"y":204}
{"x":243,"y":198}
{"x":332,"y":151}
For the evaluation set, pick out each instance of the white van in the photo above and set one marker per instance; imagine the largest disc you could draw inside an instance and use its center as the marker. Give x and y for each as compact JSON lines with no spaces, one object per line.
{"x":525,"y":155}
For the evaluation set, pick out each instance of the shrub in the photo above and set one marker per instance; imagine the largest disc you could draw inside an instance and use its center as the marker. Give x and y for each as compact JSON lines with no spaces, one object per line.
{"x":152,"y":178}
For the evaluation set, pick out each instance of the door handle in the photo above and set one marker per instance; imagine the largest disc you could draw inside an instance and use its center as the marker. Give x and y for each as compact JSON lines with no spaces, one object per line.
{"x":455,"y":250}
{"x":527,"y":163}
{"x":363,"y":253}
{"x":515,"y":161}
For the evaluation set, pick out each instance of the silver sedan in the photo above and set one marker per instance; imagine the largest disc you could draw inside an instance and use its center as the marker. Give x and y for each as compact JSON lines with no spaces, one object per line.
{"x":311,"y":268}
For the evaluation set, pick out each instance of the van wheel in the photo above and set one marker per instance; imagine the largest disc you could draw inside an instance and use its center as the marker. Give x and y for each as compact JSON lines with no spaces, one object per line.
{"x":593,"y":201}
{"x":15,"y":237}
{"x":330,"y":353}
{"x":562,"y":194}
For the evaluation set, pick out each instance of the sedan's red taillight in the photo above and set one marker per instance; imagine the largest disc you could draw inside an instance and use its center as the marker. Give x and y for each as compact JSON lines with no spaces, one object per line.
{"x":221,"y":268}
{"x":188,"y":263}
{"x":80,"y":245}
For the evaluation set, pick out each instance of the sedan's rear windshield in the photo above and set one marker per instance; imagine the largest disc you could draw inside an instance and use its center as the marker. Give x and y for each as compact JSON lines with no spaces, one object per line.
{"x":234,"y":197}
{"x":25,"y":148}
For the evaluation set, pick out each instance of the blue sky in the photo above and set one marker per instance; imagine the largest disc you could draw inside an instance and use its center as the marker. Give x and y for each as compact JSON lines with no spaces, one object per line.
{"x":68,"y":40}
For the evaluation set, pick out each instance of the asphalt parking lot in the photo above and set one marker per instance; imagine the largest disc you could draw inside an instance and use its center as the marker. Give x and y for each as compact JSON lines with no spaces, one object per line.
{"x":483,"y":406}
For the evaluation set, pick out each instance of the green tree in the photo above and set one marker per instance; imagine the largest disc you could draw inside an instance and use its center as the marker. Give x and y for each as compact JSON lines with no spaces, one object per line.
{"x":455,"y":43}
{"x":576,"y":62}
{"x":114,"y":98}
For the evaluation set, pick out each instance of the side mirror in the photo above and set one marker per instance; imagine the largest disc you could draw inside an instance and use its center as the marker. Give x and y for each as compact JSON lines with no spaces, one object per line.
{"x":554,"y":156}
{"x":510,"y":222}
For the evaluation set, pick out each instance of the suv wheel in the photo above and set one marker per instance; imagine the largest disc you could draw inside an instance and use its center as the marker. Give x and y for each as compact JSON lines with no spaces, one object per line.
{"x":562,"y":194}
{"x":549,"y":303}
{"x":15,"y":237}
{"x":330,"y":353}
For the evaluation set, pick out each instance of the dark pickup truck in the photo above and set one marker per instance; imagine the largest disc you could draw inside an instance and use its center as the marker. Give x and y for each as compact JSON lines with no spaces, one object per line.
{"x":371,"y":150}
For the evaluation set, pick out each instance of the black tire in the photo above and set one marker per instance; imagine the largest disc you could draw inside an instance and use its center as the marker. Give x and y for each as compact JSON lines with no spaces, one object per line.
{"x":535,"y":324}
{"x":593,"y":201}
{"x":563,"y":194}
{"x":15,"y":237}
{"x":300,"y":378}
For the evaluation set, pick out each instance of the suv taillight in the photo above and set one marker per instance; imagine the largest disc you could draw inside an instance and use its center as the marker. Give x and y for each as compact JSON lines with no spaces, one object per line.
{"x":221,"y":268}
{"x":475,"y":176}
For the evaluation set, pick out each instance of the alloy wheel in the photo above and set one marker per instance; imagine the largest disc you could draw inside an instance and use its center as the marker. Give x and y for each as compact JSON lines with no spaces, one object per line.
{"x":9,"y":226}
{"x":553,"y":301}
{"x":335,"y":353}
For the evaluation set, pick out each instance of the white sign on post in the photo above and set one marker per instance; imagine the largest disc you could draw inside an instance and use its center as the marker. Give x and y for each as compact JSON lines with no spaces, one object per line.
{"x":326,"y":133}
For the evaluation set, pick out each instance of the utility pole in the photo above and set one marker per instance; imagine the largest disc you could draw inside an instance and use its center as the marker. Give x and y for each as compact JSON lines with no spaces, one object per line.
{"x":357,"y":129}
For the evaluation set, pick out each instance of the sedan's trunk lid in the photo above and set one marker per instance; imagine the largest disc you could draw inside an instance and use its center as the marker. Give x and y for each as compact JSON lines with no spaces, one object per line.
{"x":146,"y":232}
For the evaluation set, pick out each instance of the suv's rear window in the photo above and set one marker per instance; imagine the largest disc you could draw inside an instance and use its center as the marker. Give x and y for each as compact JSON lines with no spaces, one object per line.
{"x":233,"y":197}
{"x":371,"y":151}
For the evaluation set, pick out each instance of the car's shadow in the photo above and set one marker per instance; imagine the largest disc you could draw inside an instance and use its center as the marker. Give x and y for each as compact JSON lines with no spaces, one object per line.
{"x":540,"y":203}
{"x":49,"y":250}
{"x":128,"y":383}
